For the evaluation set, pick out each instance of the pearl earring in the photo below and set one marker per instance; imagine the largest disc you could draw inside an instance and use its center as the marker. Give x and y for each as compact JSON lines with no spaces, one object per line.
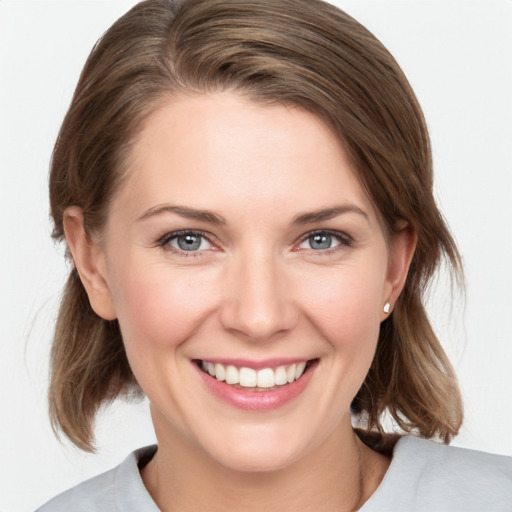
{"x":386,"y":307}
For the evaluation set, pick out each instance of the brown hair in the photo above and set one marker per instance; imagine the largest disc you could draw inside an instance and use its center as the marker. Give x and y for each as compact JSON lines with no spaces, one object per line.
{"x":300,"y":52}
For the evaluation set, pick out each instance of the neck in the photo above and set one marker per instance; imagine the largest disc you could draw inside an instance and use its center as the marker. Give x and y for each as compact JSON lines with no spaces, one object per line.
{"x":339,"y":475}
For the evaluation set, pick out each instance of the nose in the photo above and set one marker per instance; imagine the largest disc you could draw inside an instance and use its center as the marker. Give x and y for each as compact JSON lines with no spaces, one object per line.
{"x":258,"y":300}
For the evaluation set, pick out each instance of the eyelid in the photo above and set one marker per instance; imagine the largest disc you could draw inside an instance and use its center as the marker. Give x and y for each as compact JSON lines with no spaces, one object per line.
{"x":164,"y":240}
{"x":344,"y":239}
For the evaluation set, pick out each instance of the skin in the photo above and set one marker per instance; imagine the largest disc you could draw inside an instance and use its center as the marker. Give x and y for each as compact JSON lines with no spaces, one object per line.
{"x":256,"y":288}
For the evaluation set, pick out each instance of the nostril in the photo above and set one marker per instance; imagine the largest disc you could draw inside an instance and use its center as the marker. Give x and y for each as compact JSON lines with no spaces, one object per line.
{"x":258,"y":305}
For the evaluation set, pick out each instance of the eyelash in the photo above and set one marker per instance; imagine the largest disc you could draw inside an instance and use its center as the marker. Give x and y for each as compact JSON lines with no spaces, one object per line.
{"x":343,"y":239}
{"x":164,"y":242}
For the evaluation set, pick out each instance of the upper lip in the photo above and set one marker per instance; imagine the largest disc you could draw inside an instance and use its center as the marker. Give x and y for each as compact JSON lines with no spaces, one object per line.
{"x":256,"y":364}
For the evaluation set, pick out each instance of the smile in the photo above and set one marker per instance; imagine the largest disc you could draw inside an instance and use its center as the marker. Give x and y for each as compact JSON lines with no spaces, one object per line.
{"x":264,"y":379}
{"x":256,"y":386}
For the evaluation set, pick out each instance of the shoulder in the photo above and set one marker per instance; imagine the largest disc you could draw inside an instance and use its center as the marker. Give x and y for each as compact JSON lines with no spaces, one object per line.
{"x":120,"y":489}
{"x":454,"y":465}
{"x":95,"y":494}
{"x":427,"y":476}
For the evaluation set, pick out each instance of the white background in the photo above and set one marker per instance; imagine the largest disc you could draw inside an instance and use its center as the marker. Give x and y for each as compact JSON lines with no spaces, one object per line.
{"x":458,"y":57}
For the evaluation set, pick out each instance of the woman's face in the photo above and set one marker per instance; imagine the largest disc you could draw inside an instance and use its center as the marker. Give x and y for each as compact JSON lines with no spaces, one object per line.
{"x":243,"y":244}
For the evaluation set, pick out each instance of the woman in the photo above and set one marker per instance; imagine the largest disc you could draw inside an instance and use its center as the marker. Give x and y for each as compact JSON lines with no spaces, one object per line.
{"x":246,"y":192}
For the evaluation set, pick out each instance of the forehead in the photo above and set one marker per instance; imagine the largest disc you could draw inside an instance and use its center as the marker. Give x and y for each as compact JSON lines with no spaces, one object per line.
{"x":223,"y":151}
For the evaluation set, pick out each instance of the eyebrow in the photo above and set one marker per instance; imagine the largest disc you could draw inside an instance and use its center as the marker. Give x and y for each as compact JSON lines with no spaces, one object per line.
{"x":327,"y":213}
{"x":213,"y":218}
{"x":189,"y":213}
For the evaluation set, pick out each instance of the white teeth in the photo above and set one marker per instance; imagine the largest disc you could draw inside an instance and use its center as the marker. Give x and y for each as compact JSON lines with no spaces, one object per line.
{"x":280,"y":376}
{"x":249,"y":378}
{"x":299,"y":370}
{"x":265,"y":378}
{"x":220,"y":372}
{"x":232,"y":376}
{"x":290,"y":373}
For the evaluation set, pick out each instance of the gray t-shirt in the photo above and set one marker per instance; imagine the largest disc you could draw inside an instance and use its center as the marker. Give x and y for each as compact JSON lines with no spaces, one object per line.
{"x":423,"y":476}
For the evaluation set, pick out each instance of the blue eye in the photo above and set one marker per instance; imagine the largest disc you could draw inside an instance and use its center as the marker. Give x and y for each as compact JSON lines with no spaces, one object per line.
{"x":323,"y":241}
{"x":320,"y":241}
{"x":188,"y":241}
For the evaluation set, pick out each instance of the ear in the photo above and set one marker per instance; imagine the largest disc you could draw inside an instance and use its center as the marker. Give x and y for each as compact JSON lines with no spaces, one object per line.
{"x":401,"y":247}
{"x":90,"y":262}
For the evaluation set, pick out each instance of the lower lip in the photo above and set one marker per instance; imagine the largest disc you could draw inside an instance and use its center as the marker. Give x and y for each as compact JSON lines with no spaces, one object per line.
{"x":257,"y":400}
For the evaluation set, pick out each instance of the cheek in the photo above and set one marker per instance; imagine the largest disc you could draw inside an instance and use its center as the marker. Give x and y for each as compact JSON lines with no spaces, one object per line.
{"x":157,"y":309}
{"x":345,"y":303}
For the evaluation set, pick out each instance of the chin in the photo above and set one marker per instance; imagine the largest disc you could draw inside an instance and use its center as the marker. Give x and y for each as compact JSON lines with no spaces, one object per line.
{"x":257,"y":452}
{"x":247,"y":461}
